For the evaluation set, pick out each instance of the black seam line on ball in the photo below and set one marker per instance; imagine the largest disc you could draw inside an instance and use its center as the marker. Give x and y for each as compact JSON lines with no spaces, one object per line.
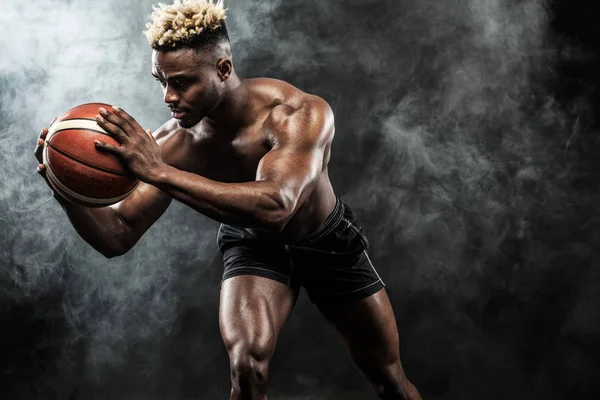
{"x":87,"y":163}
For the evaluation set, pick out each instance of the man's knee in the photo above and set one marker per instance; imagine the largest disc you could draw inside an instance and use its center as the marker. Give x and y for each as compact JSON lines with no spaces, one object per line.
{"x":249,"y":370}
{"x":249,"y":363}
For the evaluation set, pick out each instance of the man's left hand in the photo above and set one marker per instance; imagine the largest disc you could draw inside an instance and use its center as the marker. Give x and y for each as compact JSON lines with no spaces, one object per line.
{"x":139,"y":151}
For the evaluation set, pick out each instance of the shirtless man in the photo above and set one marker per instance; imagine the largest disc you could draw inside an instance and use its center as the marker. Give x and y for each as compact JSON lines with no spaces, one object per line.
{"x":251,"y":154}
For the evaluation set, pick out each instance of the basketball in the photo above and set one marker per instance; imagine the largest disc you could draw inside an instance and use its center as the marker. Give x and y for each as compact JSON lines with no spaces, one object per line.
{"x":76,"y":169}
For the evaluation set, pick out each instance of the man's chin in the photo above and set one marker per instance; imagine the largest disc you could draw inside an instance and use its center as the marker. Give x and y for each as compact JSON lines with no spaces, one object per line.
{"x":187,"y":122}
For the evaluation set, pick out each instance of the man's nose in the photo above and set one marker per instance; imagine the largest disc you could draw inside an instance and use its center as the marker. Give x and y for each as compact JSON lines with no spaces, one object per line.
{"x":170,"y":96}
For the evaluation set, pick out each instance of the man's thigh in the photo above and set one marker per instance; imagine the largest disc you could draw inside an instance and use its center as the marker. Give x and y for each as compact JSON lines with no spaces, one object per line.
{"x":252,"y":311}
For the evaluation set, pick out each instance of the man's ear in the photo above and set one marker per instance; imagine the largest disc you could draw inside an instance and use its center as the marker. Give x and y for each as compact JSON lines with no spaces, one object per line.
{"x":224,"y":68}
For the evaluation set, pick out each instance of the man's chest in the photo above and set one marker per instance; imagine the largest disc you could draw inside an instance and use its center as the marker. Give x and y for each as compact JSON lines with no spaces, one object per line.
{"x":216,"y":158}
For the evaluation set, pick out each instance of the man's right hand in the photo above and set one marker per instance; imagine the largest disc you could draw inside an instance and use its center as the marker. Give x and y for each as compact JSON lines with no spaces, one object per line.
{"x":39,"y":148}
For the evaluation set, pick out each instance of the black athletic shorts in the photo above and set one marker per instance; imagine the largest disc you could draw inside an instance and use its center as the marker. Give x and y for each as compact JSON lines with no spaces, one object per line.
{"x":331,"y":263}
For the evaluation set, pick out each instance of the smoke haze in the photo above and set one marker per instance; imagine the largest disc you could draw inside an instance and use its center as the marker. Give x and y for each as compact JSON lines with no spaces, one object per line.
{"x":465,"y":142}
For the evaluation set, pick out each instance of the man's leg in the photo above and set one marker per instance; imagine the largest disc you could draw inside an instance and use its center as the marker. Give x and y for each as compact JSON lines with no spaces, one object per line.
{"x":251,"y":313}
{"x":368,"y":329}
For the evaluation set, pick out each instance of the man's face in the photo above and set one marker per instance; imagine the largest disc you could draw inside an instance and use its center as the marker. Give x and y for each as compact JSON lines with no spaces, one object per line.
{"x":190,"y":83}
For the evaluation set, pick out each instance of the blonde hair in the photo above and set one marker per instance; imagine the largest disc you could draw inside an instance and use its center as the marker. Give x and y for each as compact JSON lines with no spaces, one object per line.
{"x":182,"y":21}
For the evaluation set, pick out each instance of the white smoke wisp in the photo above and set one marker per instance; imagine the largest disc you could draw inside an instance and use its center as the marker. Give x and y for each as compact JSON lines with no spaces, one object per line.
{"x":55,"y":55}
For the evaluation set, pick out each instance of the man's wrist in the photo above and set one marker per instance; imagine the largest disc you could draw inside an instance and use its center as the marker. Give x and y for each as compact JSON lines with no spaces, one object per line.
{"x":157,"y":175}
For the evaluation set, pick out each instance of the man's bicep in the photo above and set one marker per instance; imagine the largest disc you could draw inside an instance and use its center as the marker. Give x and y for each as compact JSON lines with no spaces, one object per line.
{"x":282,"y":164}
{"x":294,"y":173}
{"x":302,"y":138}
{"x":140,"y":210}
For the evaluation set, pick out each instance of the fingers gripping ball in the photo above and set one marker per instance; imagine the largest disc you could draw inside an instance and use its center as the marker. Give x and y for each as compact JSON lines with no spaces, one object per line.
{"x":76,"y":169}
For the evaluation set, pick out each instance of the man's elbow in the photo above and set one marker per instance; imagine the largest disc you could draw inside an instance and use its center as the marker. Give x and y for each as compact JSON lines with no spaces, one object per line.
{"x":115,"y":250}
{"x":279,"y":213}
{"x":112,"y":253}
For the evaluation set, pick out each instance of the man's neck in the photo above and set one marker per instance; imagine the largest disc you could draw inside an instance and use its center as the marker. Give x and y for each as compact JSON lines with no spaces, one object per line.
{"x":229,"y":115}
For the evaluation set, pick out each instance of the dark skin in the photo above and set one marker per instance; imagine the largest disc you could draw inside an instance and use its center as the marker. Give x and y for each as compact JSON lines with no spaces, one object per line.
{"x":251,"y":153}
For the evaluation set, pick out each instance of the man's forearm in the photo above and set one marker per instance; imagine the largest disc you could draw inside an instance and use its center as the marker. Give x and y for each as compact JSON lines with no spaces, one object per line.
{"x":249,"y":204}
{"x":101,"y":228}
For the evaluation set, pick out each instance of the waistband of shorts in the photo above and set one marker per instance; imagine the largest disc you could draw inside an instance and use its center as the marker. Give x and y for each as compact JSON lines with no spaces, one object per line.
{"x":326,"y":227}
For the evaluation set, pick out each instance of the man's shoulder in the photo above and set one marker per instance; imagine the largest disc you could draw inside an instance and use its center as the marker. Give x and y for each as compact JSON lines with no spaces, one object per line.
{"x":174,"y":142}
{"x":308,"y":106}
{"x":309,"y":120}
{"x":283,"y":100}
{"x":172,"y":139}
{"x":308,"y":110}
{"x":168,"y":129}
{"x":285,"y":96}
{"x":291,"y":112}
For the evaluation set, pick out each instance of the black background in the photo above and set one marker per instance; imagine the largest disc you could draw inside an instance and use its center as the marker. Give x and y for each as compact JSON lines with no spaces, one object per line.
{"x":466,"y":141}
